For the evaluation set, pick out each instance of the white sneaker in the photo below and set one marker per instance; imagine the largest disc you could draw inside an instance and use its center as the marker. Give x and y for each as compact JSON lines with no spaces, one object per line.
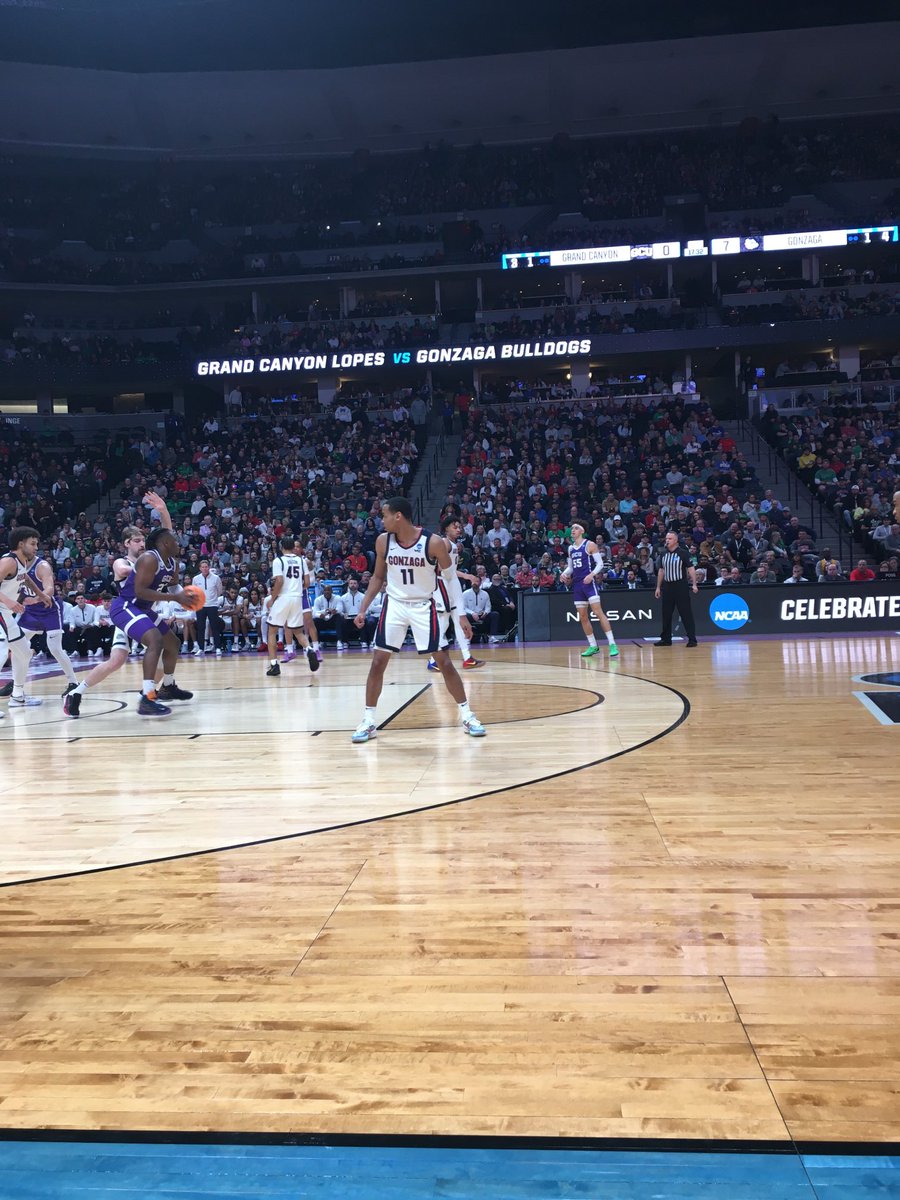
{"x":342,"y":645}
{"x":196,"y":652}
{"x":474,"y":727}
{"x":365,"y":732}
{"x":218,"y":654}
{"x":24,"y":702}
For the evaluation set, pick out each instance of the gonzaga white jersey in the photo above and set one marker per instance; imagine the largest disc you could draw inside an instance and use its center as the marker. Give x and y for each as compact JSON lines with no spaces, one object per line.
{"x":292,"y":568}
{"x":10,"y":588}
{"x":411,"y":574}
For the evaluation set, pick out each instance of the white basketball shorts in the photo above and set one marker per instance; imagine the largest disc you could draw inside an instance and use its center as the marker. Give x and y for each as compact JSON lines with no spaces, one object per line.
{"x":397,"y":616}
{"x":286,"y":612}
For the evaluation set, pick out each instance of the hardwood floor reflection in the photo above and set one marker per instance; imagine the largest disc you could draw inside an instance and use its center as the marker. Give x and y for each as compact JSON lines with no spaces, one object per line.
{"x":694,"y":937}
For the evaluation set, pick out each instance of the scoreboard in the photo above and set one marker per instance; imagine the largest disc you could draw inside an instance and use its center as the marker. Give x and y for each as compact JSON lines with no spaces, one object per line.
{"x":822,"y":239}
{"x":668,"y":251}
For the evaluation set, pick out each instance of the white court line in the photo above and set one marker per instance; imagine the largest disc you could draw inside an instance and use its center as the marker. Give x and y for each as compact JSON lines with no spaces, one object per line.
{"x":874,"y":709}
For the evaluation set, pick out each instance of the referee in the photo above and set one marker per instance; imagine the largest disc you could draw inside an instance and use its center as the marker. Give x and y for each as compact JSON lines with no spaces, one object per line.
{"x":675,"y":569}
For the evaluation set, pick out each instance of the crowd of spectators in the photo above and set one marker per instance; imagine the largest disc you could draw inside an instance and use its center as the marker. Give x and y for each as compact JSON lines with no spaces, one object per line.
{"x":330,"y":337}
{"x":45,"y":484}
{"x":129,"y":213}
{"x":584,"y":321}
{"x":849,"y":457}
{"x":251,"y":340}
{"x":880,"y":367}
{"x":629,"y":469}
{"x":837,"y":305}
{"x":233,"y":487}
{"x":630,"y":472}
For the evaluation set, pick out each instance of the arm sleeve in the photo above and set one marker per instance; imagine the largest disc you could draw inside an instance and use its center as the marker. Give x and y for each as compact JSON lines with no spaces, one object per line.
{"x":597,"y":560}
{"x":454,"y":590}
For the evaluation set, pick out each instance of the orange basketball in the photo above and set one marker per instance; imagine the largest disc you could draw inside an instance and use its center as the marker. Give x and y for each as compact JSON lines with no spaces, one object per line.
{"x":192,"y":598}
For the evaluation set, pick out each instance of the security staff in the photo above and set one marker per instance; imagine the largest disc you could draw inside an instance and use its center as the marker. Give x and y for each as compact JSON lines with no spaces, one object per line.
{"x":675,"y":569}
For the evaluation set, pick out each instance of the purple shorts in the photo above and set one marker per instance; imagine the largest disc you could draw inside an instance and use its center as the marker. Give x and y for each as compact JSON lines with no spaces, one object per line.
{"x":37,"y":618}
{"x":583,"y":593}
{"x":134,"y":619}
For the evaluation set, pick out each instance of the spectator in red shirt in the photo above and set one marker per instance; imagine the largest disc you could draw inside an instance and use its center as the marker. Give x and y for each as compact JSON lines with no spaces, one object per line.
{"x":862,"y":573}
{"x":357,"y":560}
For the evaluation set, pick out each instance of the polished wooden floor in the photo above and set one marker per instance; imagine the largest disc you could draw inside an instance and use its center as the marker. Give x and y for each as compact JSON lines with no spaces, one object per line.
{"x":660,"y":899}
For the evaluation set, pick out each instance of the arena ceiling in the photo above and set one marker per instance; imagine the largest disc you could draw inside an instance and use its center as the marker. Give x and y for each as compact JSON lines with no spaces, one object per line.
{"x":226,"y":35}
{"x":522,"y":97}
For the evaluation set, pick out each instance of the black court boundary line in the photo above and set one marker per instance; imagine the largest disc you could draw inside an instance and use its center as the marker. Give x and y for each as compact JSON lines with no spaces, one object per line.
{"x":426,"y":687}
{"x":62,"y":719}
{"x":401,"y":1141}
{"x":288,"y":837}
{"x":599,"y":698}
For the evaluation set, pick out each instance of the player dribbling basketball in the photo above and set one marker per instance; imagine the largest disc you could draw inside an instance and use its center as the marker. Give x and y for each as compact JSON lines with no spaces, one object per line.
{"x":132,"y":611}
{"x":135,"y":543}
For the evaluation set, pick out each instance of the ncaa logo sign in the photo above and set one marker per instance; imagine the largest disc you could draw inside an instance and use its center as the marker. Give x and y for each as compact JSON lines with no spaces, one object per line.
{"x":729,"y":612}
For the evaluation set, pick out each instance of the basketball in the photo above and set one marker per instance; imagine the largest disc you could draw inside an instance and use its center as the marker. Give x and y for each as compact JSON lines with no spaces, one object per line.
{"x":192,"y":597}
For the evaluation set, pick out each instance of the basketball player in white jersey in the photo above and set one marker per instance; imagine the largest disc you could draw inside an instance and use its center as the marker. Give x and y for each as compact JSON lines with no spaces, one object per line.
{"x":451,"y":529}
{"x":134,"y":541}
{"x":409,"y":558}
{"x":285,"y":605}
{"x":17,"y":578}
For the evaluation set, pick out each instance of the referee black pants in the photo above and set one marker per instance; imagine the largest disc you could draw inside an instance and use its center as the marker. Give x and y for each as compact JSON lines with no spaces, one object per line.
{"x":677,"y":595}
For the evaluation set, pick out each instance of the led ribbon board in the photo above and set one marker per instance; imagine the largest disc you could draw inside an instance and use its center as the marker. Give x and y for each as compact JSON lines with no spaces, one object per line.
{"x":821,"y":239}
{"x":355,"y":360}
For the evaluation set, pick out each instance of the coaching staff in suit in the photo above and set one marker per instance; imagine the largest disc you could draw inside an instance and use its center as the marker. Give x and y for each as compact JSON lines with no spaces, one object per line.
{"x":675,"y":580}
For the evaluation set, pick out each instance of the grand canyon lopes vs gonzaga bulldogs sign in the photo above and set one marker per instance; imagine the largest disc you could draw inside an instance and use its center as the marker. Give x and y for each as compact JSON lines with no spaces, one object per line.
{"x":430,"y":356}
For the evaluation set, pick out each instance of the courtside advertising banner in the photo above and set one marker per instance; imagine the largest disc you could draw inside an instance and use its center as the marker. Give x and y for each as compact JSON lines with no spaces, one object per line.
{"x":783,"y":610}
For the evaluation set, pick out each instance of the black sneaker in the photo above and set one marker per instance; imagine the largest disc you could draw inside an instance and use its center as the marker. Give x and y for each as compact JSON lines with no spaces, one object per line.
{"x":274,"y":670}
{"x":6,"y":690}
{"x":692,"y":643}
{"x":662,"y":643}
{"x":171,"y":691}
{"x":149,"y":706}
{"x":70,"y":688}
{"x":313,"y":659}
{"x":72,"y":704}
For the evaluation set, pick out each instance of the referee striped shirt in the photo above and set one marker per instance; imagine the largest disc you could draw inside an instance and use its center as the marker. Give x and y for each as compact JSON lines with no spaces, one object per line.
{"x":675,"y":564}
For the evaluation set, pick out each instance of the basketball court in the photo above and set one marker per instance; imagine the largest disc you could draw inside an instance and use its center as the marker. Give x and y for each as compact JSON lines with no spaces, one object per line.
{"x":656,"y":903}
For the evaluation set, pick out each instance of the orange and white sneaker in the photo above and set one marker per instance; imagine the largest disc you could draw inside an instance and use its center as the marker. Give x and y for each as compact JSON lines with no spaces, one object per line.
{"x":470,"y":663}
